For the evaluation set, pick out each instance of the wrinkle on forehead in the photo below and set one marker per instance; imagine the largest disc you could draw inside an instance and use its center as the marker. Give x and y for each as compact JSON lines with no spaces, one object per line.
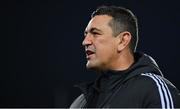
{"x":100,"y":22}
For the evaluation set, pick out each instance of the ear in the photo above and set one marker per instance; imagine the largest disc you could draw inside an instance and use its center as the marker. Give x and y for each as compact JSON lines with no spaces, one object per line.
{"x":124,"y":40}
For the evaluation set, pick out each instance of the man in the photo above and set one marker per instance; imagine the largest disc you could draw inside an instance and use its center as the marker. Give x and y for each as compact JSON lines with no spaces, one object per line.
{"x":127,"y":78}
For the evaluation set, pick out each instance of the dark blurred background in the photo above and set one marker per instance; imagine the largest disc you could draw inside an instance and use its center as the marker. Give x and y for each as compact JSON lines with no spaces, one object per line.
{"x":43,"y":57}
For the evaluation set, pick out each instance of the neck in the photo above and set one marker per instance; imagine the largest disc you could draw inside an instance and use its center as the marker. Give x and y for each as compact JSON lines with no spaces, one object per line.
{"x":124,"y":61}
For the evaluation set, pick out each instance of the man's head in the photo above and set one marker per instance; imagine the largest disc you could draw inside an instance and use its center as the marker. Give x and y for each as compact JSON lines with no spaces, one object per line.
{"x":111,"y":32}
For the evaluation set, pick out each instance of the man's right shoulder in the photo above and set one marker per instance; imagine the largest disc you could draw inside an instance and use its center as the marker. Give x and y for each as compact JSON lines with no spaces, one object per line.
{"x":79,"y":102}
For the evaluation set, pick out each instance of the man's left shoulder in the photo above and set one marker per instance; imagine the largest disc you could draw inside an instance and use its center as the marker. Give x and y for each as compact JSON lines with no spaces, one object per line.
{"x":149,"y":83}
{"x":156,"y":80}
{"x":154,"y":90}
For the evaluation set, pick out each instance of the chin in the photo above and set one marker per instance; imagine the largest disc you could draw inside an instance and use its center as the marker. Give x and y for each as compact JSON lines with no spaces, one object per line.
{"x":93,"y":66}
{"x":89,"y":66}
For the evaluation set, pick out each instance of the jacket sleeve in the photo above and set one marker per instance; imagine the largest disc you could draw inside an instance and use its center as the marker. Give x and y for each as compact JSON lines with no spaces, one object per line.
{"x":159,"y":92}
{"x":79,"y":102}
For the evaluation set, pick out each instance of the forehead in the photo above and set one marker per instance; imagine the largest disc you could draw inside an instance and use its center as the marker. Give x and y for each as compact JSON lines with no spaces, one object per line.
{"x":100,"y":22}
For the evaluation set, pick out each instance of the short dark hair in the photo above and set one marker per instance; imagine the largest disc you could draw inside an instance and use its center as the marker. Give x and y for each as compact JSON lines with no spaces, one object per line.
{"x":122,"y":20}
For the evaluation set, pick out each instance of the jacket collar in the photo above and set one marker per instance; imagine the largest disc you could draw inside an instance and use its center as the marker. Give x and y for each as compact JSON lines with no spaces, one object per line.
{"x":143,"y":63}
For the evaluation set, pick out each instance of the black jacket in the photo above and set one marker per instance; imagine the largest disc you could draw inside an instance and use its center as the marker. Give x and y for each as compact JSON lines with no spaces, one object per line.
{"x":140,"y":86}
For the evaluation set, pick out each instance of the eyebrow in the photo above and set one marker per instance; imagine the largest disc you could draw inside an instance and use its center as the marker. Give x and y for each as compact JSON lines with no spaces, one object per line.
{"x":93,"y":29}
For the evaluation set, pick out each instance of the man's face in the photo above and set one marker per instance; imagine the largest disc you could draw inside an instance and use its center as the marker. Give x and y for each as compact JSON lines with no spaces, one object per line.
{"x":100,"y":44}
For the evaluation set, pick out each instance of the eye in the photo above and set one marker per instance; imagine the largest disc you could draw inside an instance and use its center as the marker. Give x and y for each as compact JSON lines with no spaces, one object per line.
{"x":85,"y":33}
{"x":96,"y":33}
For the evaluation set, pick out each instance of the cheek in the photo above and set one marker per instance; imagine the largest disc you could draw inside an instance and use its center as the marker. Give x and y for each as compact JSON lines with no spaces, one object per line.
{"x":105,"y":47}
{"x":105,"y":51}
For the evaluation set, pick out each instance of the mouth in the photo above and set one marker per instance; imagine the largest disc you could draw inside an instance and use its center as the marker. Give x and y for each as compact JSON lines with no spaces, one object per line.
{"x":89,"y":53}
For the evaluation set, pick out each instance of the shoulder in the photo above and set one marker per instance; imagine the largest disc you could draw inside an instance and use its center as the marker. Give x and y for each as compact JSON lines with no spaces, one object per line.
{"x":151,"y":80}
{"x":155,"y":90}
{"x":159,"y":82}
{"x":78,"y":102}
{"x":145,"y":81}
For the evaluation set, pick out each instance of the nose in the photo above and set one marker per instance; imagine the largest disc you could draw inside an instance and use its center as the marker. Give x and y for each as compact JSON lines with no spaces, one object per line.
{"x":87,"y":40}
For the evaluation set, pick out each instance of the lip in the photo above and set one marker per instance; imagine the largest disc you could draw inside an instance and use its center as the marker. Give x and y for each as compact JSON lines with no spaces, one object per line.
{"x":88,"y":57}
{"x":89,"y":53}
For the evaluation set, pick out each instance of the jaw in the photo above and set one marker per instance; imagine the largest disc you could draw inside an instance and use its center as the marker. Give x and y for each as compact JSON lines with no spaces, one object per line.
{"x":92,"y":64}
{"x":96,"y":65}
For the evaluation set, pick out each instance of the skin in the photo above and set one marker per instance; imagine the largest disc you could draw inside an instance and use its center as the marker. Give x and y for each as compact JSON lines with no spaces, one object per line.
{"x":103,"y":50}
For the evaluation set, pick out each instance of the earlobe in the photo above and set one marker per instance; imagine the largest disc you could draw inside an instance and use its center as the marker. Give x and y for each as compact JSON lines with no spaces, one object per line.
{"x":120,"y":42}
{"x":124,"y":40}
